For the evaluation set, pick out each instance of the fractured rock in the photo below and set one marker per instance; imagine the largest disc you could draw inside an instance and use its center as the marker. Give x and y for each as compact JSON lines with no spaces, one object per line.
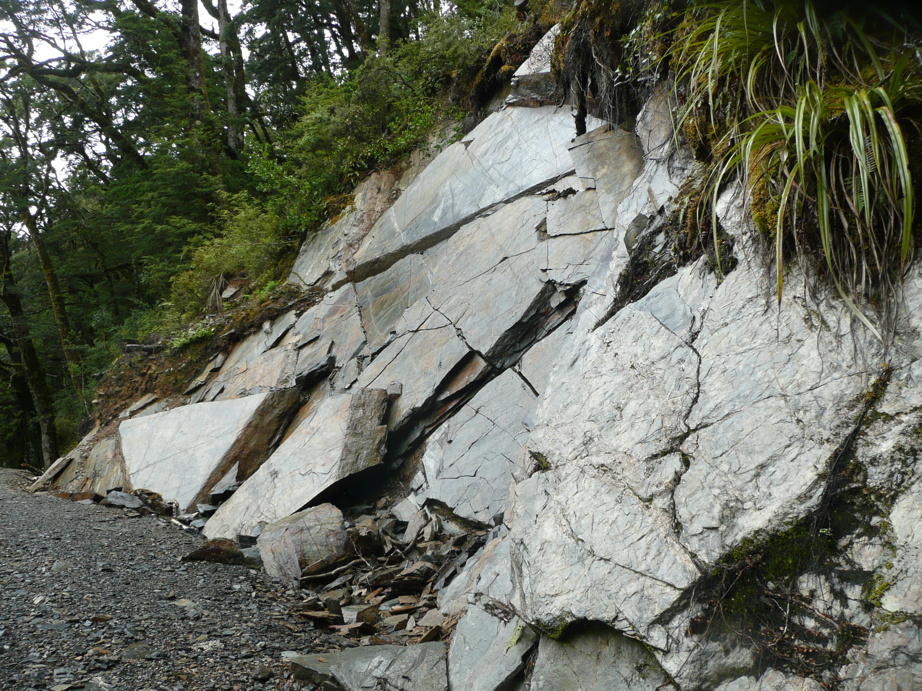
{"x":608,"y":160}
{"x":468,"y":461}
{"x":495,"y":162}
{"x":487,"y":653}
{"x":302,"y":538}
{"x":182,"y":453}
{"x":382,"y":299}
{"x":421,"y":360}
{"x":342,"y":436}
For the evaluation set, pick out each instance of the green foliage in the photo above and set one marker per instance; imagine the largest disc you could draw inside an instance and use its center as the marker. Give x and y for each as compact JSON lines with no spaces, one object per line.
{"x":194,"y":334}
{"x":372,"y":117}
{"x":816,"y":113}
{"x":248,"y":243}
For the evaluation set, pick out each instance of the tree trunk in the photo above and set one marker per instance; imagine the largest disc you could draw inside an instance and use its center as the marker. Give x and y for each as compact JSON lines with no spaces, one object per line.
{"x":357,"y":25}
{"x":191,"y":44}
{"x":384,"y":27}
{"x":58,"y":306}
{"x":226,"y":35}
{"x":30,"y":436}
{"x":31,"y":365}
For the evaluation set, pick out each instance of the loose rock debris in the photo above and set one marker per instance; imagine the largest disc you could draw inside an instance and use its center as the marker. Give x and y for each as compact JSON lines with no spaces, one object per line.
{"x":109,"y":594}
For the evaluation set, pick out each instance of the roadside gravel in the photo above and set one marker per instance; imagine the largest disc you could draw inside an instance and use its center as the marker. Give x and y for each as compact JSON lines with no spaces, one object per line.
{"x":97,"y":598}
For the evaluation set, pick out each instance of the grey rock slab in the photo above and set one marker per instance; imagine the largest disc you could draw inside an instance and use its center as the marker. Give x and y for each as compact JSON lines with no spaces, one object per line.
{"x":486,"y":652}
{"x":573,"y":259}
{"x":95,"y":465}
{"x":498,"y":283}
{"x":417,"y":667}
{"x":314,"y":669}
{"x":250,"y":369}
{"x":778,"y":391}
{"x":333,"y":327}
{"x":182,"y":453}
{"x":123,"y":500}
{"x":142,"y":402}
{"x":891,"y":660}
{"x":755,"y":399}
{"x":538,"y":362}
{"x":584,"y":546}
{"x":532,"y":84}
{"x":655,"y":126}
{"x":771,"y":680}
{"x":488,"y":574}
{"x":317,"y":260}
{"x":382,"y":299}
{"x":343,"y":435}
{"x":609,"y":160}
{"x":511,"y":152}
{"x":574,"y":213}
{"x":296,"y":541}
{"x":104,"y":467}
{"x":595,"y":659}
{"x":904,"y":579}
{"x":326,"y":258}
{"x":421,"y":360}
{"x":468,"y":461}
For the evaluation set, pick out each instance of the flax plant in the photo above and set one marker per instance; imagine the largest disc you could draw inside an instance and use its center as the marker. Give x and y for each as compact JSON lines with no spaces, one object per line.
{"x":811,"y":113}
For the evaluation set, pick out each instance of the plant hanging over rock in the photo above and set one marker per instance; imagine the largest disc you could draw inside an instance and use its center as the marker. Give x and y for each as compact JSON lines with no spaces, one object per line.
{"x":818,"y":114}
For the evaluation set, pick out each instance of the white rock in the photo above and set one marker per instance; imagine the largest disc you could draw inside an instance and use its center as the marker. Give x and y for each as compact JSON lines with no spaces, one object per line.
{"x":468,"y":461}
{"x":182,"y":453}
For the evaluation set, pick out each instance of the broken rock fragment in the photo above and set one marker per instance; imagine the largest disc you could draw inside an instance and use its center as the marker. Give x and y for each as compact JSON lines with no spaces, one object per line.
{"x":303,"y":538}
{"x":182,"y":453}
{"x":417,"y":667}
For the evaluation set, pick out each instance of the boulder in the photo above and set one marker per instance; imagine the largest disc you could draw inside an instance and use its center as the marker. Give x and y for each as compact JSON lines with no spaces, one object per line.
{"x":292,"y":543}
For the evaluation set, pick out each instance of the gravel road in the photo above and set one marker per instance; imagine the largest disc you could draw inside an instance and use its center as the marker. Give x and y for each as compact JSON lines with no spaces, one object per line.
{"x":97,"y":598}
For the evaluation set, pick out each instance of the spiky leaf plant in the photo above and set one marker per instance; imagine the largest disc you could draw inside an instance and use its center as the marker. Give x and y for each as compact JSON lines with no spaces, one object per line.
{"x":813,"y":112}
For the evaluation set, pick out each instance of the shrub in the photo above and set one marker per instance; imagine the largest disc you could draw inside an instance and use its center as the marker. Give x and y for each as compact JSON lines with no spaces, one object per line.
{"x":248,"y":243}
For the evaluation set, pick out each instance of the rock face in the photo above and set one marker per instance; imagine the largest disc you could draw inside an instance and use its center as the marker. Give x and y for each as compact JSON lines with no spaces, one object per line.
{"x":673,"y":478}
{"x":342,"y":436}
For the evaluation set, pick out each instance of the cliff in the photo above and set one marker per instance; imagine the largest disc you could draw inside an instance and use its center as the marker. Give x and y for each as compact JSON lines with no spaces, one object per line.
{"x":675,"y":479}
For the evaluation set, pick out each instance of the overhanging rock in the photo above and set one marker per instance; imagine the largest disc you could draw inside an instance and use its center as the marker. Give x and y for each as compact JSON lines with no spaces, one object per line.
{"x":182,"y":453}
